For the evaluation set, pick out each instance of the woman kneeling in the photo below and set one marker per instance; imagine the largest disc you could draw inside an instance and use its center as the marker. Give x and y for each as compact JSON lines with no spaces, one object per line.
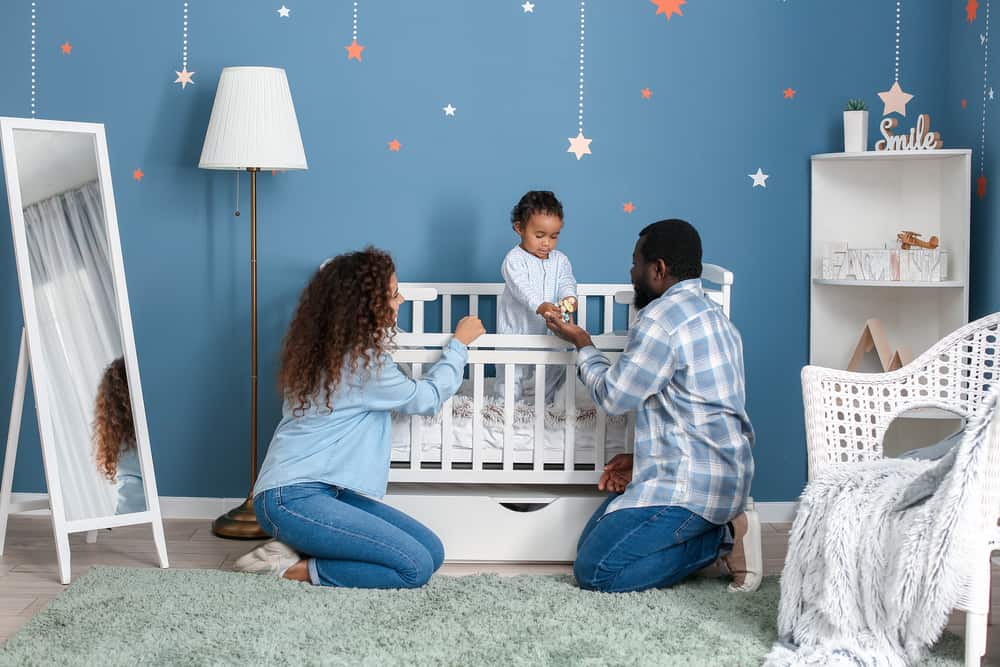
{"x":329,"y":458}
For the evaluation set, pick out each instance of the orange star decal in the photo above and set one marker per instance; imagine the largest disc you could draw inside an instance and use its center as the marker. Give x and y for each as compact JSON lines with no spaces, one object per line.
{"x":789,"y":93}
{"x":137,"y":174}
{"x":354,"y":51}
{"x":964,"y":104}
{"x":981,"y":186}
{"x":671,"y":7}
{"x":394,"y":145}
{"x":646,"y":93}
{"x":970,"y":10}
{"x":67,"y":48}
{"x":628,"y":207}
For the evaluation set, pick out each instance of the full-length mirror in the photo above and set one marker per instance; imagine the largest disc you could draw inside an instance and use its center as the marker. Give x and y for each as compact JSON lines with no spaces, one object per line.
{"x":78,"y":334}
{"x":71,"y":277}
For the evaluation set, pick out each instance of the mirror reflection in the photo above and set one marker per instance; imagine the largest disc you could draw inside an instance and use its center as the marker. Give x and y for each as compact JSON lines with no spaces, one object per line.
{"x":73,"y":287}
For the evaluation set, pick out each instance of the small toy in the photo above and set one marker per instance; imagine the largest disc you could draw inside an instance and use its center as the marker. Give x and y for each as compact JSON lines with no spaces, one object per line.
{"x":910,"y":239}
{"x":568,"y":307}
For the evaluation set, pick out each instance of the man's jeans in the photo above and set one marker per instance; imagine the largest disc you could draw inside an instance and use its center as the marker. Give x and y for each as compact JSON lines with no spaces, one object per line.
{"x":646,"y":547}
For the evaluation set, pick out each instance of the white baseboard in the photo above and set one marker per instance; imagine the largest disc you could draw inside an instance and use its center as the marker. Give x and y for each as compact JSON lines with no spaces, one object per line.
{"x":182,"y":507}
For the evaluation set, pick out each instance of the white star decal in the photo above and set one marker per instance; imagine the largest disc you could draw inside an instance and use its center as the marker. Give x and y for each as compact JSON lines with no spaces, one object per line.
{"x":760,"y":178}
{"x":528,"y":8}
{"x":449,"y":110}
{"x":982,"y":39}
{"x":284,"y":12}
{"x":579,"y":145}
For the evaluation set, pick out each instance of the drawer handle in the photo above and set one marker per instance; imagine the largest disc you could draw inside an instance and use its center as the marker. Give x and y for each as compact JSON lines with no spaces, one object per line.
{"x":524,"y":504}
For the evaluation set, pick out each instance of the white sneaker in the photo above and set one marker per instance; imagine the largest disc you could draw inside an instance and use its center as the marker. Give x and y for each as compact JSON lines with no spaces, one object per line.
{"x":272,"y":557}
{"x":746,"y":561}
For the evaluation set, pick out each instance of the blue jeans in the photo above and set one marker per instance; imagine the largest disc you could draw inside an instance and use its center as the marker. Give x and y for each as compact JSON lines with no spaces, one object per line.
{"x":645,"y":547}
{"x":350,"y":540}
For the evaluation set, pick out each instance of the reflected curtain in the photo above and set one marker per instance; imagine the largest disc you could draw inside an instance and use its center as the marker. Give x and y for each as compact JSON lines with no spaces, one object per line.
{"x":74,"y":296}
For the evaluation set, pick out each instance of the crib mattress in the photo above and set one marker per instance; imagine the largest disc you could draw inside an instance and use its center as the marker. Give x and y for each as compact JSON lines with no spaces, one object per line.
{"x":430,"y":430}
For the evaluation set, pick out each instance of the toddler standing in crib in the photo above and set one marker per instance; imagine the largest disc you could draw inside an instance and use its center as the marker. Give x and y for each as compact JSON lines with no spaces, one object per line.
{"x":538,"y":277}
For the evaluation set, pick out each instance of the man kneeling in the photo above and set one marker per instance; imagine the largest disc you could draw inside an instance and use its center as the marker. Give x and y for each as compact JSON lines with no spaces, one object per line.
{"x":678,"y":503}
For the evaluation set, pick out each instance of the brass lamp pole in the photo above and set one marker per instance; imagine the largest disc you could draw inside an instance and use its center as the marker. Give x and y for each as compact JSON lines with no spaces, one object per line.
{"x":253,"y":127}
{"x":241,"y":522}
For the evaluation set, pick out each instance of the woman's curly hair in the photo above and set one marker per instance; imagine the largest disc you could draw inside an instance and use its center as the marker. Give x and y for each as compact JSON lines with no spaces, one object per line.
{"x":344,"y":316}
{"x":114,"y":431}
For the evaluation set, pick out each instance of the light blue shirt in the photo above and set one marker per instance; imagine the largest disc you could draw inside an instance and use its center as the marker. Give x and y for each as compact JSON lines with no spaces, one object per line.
{"x":530,"y":282}
{"x":682,"y":372}
{"x":128,"y":481}
{"x":350,"y":446}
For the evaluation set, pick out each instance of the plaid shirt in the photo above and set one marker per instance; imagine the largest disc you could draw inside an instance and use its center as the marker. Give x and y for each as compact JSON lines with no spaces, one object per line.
{"x":682,"y":372}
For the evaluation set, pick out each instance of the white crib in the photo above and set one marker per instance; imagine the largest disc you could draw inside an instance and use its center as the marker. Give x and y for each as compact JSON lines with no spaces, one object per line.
{"x":502,"y":481}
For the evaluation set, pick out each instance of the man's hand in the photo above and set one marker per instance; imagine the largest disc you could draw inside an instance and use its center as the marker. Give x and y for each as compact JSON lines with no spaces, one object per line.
{"x":617,"y":474}
{"x":567,"y":330}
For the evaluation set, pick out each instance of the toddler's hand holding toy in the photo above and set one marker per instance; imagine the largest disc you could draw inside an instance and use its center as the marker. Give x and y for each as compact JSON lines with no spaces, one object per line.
{"x":547,"y":308}
{"x":469,"y":329}
{"x":567,"y":307}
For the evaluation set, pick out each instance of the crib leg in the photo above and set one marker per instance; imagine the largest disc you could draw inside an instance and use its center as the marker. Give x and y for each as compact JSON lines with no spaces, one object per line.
{"x":975,"y":638}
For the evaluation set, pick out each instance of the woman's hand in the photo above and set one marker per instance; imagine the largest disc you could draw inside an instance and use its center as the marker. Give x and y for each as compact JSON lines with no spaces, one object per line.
{"x":469,"y":329}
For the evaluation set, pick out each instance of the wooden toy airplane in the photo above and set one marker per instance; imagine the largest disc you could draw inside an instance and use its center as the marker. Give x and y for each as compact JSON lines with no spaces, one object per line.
{"x":910,"y":239}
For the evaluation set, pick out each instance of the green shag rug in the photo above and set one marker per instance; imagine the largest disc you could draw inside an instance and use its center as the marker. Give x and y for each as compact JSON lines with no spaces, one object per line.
{"x":124,"y":616}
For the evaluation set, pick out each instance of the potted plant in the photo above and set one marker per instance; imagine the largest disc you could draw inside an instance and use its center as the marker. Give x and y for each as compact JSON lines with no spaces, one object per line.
{"x":856,"y":127}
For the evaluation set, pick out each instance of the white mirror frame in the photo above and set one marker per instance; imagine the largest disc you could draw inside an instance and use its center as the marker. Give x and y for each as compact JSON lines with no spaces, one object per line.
{"x":31,"y":348}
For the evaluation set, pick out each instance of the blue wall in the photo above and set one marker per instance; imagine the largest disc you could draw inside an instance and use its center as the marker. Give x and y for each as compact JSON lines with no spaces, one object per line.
{"x":441,"y":203}
{"x":965,"y":125}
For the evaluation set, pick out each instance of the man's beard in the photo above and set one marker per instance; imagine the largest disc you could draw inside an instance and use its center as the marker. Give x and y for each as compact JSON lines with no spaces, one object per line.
{"x":643,"y":295}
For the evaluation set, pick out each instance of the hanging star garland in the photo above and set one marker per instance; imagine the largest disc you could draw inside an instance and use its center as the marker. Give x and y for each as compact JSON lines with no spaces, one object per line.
{"x":987,"y":94}
{"x":34,"y":16}
{"x":580,"y":145}
{"x":354,"y":49}
{"x":895,"y":99}
{"x":184,"y":76}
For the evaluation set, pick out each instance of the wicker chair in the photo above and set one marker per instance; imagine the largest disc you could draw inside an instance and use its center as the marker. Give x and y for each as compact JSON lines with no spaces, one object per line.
{"x":847,"y":415}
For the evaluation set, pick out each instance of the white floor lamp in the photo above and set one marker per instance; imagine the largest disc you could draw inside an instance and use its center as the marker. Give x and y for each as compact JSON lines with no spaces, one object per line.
{"x":253,"y":127}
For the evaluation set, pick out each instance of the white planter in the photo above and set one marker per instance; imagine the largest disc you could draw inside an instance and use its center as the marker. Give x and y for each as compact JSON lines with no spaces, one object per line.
{"x":855,"y":131}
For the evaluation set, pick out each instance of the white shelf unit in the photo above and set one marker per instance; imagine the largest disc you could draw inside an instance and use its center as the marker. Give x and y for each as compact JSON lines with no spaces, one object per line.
{"x":865,"y":199}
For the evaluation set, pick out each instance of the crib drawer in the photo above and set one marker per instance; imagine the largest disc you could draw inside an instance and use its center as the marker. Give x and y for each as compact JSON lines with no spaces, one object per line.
{"x":489,"y":527}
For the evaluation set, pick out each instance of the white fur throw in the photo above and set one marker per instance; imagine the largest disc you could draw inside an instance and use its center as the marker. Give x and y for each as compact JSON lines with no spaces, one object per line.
{"x":870,"y":579}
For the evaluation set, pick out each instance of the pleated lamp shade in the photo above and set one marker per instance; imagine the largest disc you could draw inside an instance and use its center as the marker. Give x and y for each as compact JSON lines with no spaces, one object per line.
{"x":253,"y":122}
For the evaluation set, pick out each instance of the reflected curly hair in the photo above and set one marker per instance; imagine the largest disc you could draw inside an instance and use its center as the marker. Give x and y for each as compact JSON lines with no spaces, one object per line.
{"x":344,"y":316}
{"x":114,"y":431}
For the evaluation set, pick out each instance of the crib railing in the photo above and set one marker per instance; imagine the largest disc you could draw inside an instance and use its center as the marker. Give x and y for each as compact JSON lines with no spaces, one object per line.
{"x":543,"y":353}
{"x":504,"y":353}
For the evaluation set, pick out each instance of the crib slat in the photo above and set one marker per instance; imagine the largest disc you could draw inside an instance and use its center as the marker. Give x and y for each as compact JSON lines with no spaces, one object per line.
{"x":630,"y":433}
{"x":569,"y":449}
{"x":600,"y":435}
{"x":609,"y":314}
{"x":581,"y":310}
{"x":416,"y":441}
{"x":445,"y":313}
{"x":477,"y":416}
{"x":446,"y":435}
{"x":418,"y":317}
{"x":538,"y":447}
{"x":508,"y":416}
{"x":474,"y":305}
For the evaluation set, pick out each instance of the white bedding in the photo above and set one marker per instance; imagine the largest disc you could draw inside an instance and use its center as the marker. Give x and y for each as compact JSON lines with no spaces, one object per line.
{"x":524,"y":430}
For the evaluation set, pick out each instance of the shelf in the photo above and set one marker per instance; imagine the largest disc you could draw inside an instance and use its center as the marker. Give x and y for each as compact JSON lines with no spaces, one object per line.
{"x":887,"y":283}
{"x":929,"y":413}
{"x":895,"y":155}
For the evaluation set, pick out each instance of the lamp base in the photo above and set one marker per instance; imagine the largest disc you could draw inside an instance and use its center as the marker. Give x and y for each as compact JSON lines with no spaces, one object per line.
{"x":239,"y":523}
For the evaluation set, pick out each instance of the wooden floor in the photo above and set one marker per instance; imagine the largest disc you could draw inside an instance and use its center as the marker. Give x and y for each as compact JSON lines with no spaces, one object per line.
{"x":29,"y":579}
